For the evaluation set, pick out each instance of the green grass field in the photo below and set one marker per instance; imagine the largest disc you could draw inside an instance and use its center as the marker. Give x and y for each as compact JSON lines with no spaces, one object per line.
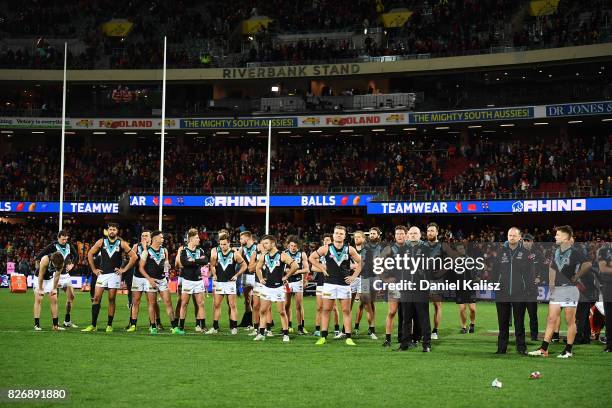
{"x":130,"y":370}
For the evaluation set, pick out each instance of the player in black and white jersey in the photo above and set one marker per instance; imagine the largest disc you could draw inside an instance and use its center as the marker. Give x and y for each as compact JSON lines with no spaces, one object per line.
{"x":568,"y":265}
{"x":109,"y":273}
{"x":273,"y":275}
{"x":367,"y":298}
{"x":319,"y":280}
{"x":152,"y":265}
{"x":338,"y":276}
{"x":71,"y":258}
{"x":604,"y":271}
{"x":48,"y":276}
{"x":192,"y":259}
{"x":399,"y":247}
{"x":257,"y":291}
{"x":296,"y":283}
{"x":223,"y":260}
{"x":359,"y":240}
{"x":436,"y":296}
{"x":248,"y":250}
{"x":179,"y":267}
{"x":140,"y":284}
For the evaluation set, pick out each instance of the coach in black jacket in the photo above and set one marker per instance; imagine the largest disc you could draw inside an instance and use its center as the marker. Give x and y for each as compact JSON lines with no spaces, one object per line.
{"x":512,"y":269}
{"x":415,"y":303}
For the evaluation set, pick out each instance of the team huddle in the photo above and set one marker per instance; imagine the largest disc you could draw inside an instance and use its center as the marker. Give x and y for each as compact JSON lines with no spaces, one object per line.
{"x":271,"y":272}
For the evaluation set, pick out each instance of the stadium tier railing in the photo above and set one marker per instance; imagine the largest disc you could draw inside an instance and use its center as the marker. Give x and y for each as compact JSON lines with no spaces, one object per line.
{"x":243,"y":59}
{"x":68,"y":197}
{"x":258,"y":190}
{"x":380,"y":193}
{"x":433,"y":196}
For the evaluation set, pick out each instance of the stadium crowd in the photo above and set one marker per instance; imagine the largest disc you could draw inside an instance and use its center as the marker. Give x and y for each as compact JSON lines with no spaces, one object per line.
{"x":443,"y":28}
{"x":513,"y":166}
{"x":436,"y":168}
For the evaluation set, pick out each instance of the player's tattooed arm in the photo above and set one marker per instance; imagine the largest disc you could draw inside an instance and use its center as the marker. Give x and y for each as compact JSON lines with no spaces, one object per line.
{"x":178,"y":260}
{"x":131,"y":253}
{"x":56,"y":278}
{"x":44,"y":264}
{"x":357,"y":260}
{"x":551,"y":279}
{"x":213,"y":264}
{"x":305,"y":265}
{"x":259,"y":270}
{"x":584,"y":268}
{"x":132,"y":261}
{"x":90,"y":257}
{"x":293,"y":265}
{"x":243,"y":265}
{"x":315,"y":262}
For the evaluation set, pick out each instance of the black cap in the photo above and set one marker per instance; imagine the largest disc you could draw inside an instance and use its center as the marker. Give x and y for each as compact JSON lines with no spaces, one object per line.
{"x":527,"y":237}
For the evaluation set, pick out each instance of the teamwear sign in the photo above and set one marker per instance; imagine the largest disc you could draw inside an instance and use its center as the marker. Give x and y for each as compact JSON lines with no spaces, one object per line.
{"x":484,"y":206}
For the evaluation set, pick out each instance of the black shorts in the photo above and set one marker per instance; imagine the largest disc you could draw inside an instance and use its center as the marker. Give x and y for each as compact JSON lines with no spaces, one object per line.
{"x":127,"y":278}
{"x":465,"y":296}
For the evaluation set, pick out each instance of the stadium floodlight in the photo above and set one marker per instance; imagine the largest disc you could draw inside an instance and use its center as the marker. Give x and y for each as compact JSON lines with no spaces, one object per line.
{"x":274,"y":88}
{"x":474,"y":126}
{"x":442,"y":127}
{"x":507,"y":125}
{"x":575,"y":121}
{"x":540,"y":123}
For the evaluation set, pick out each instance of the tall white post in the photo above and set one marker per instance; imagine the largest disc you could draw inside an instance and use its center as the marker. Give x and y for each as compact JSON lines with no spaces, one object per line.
{"x":61,"y":198}
{"x":163,"y":134}
{"x":269,"y":170}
